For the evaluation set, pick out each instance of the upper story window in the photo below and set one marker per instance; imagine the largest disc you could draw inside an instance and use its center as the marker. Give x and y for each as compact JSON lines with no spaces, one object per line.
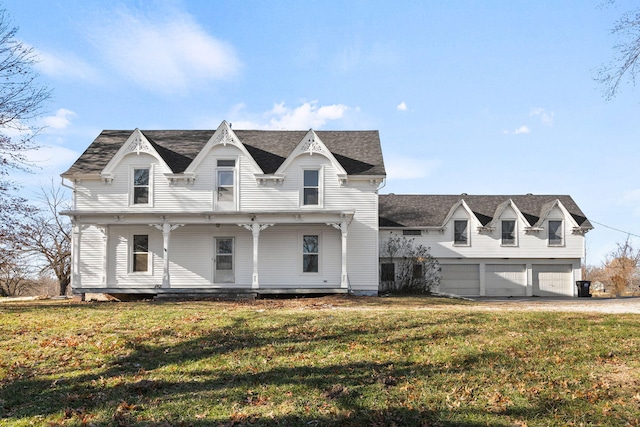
{"x":141,"y":186}
{"x":310,"y":253}
{"x":140,"y":253}
{"x":225,"y":184}
{"x":555,"y":233}
{"x":461,"y":232}
{"x":311,"y":187}
{"x":508,"y":232}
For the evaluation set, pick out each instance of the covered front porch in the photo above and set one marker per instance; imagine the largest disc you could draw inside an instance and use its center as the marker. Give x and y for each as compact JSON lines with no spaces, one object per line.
{"x":209,"y":253}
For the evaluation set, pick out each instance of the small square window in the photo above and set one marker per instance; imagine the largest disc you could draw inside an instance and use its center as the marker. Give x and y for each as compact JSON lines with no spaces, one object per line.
{"x":388,"y":272}
{"x":508,"y":232}
{"x":461,"y":232}
{"x":417,"y":271}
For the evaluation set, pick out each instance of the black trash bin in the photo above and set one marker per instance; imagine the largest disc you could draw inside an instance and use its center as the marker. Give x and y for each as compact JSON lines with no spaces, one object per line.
{"x":583,"y":288}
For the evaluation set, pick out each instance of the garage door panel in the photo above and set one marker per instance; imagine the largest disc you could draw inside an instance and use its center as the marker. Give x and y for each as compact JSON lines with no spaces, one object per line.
{"x":550,"y":280}
{"x":505,"y":280}
{"x":460,"y":279}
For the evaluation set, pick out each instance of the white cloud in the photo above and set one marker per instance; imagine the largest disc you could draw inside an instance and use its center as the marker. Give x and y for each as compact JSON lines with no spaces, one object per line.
{"x":306,"y":116}
{"x":402,"y":106}
{"x":48,"y":161}
{"x":60,"y":120}
{"x":402,"y":167}
{"x":167,"y":52}
{"x":546,"y":117}
{"x":521,"y":130}
{"x":65,"y":65}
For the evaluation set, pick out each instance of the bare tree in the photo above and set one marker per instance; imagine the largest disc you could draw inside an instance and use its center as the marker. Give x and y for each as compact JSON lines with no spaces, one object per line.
{"x":625,"y":62}
{"x":22,"y":100}
{"x":48,"y":235}
{"x":619,"y":273}
{"x":15,"y":275}
{"x":407,"y":267}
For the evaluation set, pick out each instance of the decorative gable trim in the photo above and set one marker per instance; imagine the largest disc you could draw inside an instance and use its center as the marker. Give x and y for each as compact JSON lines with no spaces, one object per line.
{"x":136,"y":143}
{"x":224,"y":136}
{"x":311,"y":144}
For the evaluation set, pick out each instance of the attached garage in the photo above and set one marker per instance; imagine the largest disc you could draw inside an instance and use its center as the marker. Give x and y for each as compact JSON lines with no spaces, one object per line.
{"x":460,"y":279}
{"x":552,"y":280}
{"x":505,"y":280}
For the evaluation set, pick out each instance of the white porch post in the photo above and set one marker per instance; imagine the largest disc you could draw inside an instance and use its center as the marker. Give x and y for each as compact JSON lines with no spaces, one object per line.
{"x":166,"y":229}
{"x":75,"y":277}
{"x":344,"y":278}
{"x":105,"y":253}
{"x":255,"y":229}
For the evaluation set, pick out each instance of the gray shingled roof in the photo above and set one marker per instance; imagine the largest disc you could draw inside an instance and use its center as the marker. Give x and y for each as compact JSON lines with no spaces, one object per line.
{"x":358,"y":152}
{"x":396,"y":210}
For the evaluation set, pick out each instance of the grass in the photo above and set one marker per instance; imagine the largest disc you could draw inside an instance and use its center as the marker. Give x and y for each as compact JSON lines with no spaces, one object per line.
{"x":315,"y":362}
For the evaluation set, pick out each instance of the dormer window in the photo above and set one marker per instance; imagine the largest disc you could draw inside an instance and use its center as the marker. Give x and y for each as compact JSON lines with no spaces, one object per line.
{"x":141,"y":186}
{"x":555,"y":233}
{"x":461,"y":232}
{"x":311,"y":187}
{"x":508,"y":232}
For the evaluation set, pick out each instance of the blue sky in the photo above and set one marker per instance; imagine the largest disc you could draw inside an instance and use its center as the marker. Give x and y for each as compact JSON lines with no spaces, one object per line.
{"x":478,"y":97}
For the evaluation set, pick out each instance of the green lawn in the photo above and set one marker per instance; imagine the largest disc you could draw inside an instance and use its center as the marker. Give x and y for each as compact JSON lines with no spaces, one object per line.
{"x":315,"y":362}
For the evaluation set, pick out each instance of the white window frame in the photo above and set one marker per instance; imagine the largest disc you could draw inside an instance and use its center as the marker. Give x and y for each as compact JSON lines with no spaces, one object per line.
{"x":132,"y":253}
{"x":217,"y":206}
{"x":132,"y":186}
{"x":320,"y":187}
{"x":549,"y":242}
{"x":301,"y":252}
{"x":515,"y":232}
{"x":468,"y":236}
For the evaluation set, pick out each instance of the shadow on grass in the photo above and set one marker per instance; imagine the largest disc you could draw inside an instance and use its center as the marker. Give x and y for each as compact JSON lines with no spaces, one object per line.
{"x":363,"y":393}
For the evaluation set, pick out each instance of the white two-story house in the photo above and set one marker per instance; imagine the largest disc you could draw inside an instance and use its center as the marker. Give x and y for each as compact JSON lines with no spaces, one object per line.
{"x":526,"y":245}
{"x":227,"y":211}
{"x":264,"y":212}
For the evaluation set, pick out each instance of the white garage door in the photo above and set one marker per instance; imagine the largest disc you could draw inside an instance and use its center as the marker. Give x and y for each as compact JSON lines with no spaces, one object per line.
{"x":505,"y":280}
{"x":549,"y":280}
{"x":460,"y":279}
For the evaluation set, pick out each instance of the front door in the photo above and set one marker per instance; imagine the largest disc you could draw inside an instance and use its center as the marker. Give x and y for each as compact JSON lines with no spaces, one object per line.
{"x":223,"y":261}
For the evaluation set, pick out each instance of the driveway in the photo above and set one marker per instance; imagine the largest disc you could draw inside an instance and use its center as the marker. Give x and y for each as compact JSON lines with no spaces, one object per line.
{"x":585,"y":305}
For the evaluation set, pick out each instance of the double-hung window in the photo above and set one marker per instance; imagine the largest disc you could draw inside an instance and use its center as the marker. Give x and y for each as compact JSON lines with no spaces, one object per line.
{"x":311,"y":187}
{"x":310,"y":253}
{"x":508,"y":232}
{"x":141,"y":186}
{"x":555,"y":233}
{"x":461,"y":232}
{"x":140,"y":253}
{"x":225,"y":184}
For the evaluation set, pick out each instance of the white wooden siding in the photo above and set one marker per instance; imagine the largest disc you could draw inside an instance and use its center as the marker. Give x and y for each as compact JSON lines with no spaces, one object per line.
{"x":92,"y":247}
{"x":489,"y":243}
{"x":280,"y":257}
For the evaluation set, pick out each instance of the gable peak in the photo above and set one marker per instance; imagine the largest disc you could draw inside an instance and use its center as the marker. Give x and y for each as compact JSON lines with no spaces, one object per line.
{"x":138,"y":144}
